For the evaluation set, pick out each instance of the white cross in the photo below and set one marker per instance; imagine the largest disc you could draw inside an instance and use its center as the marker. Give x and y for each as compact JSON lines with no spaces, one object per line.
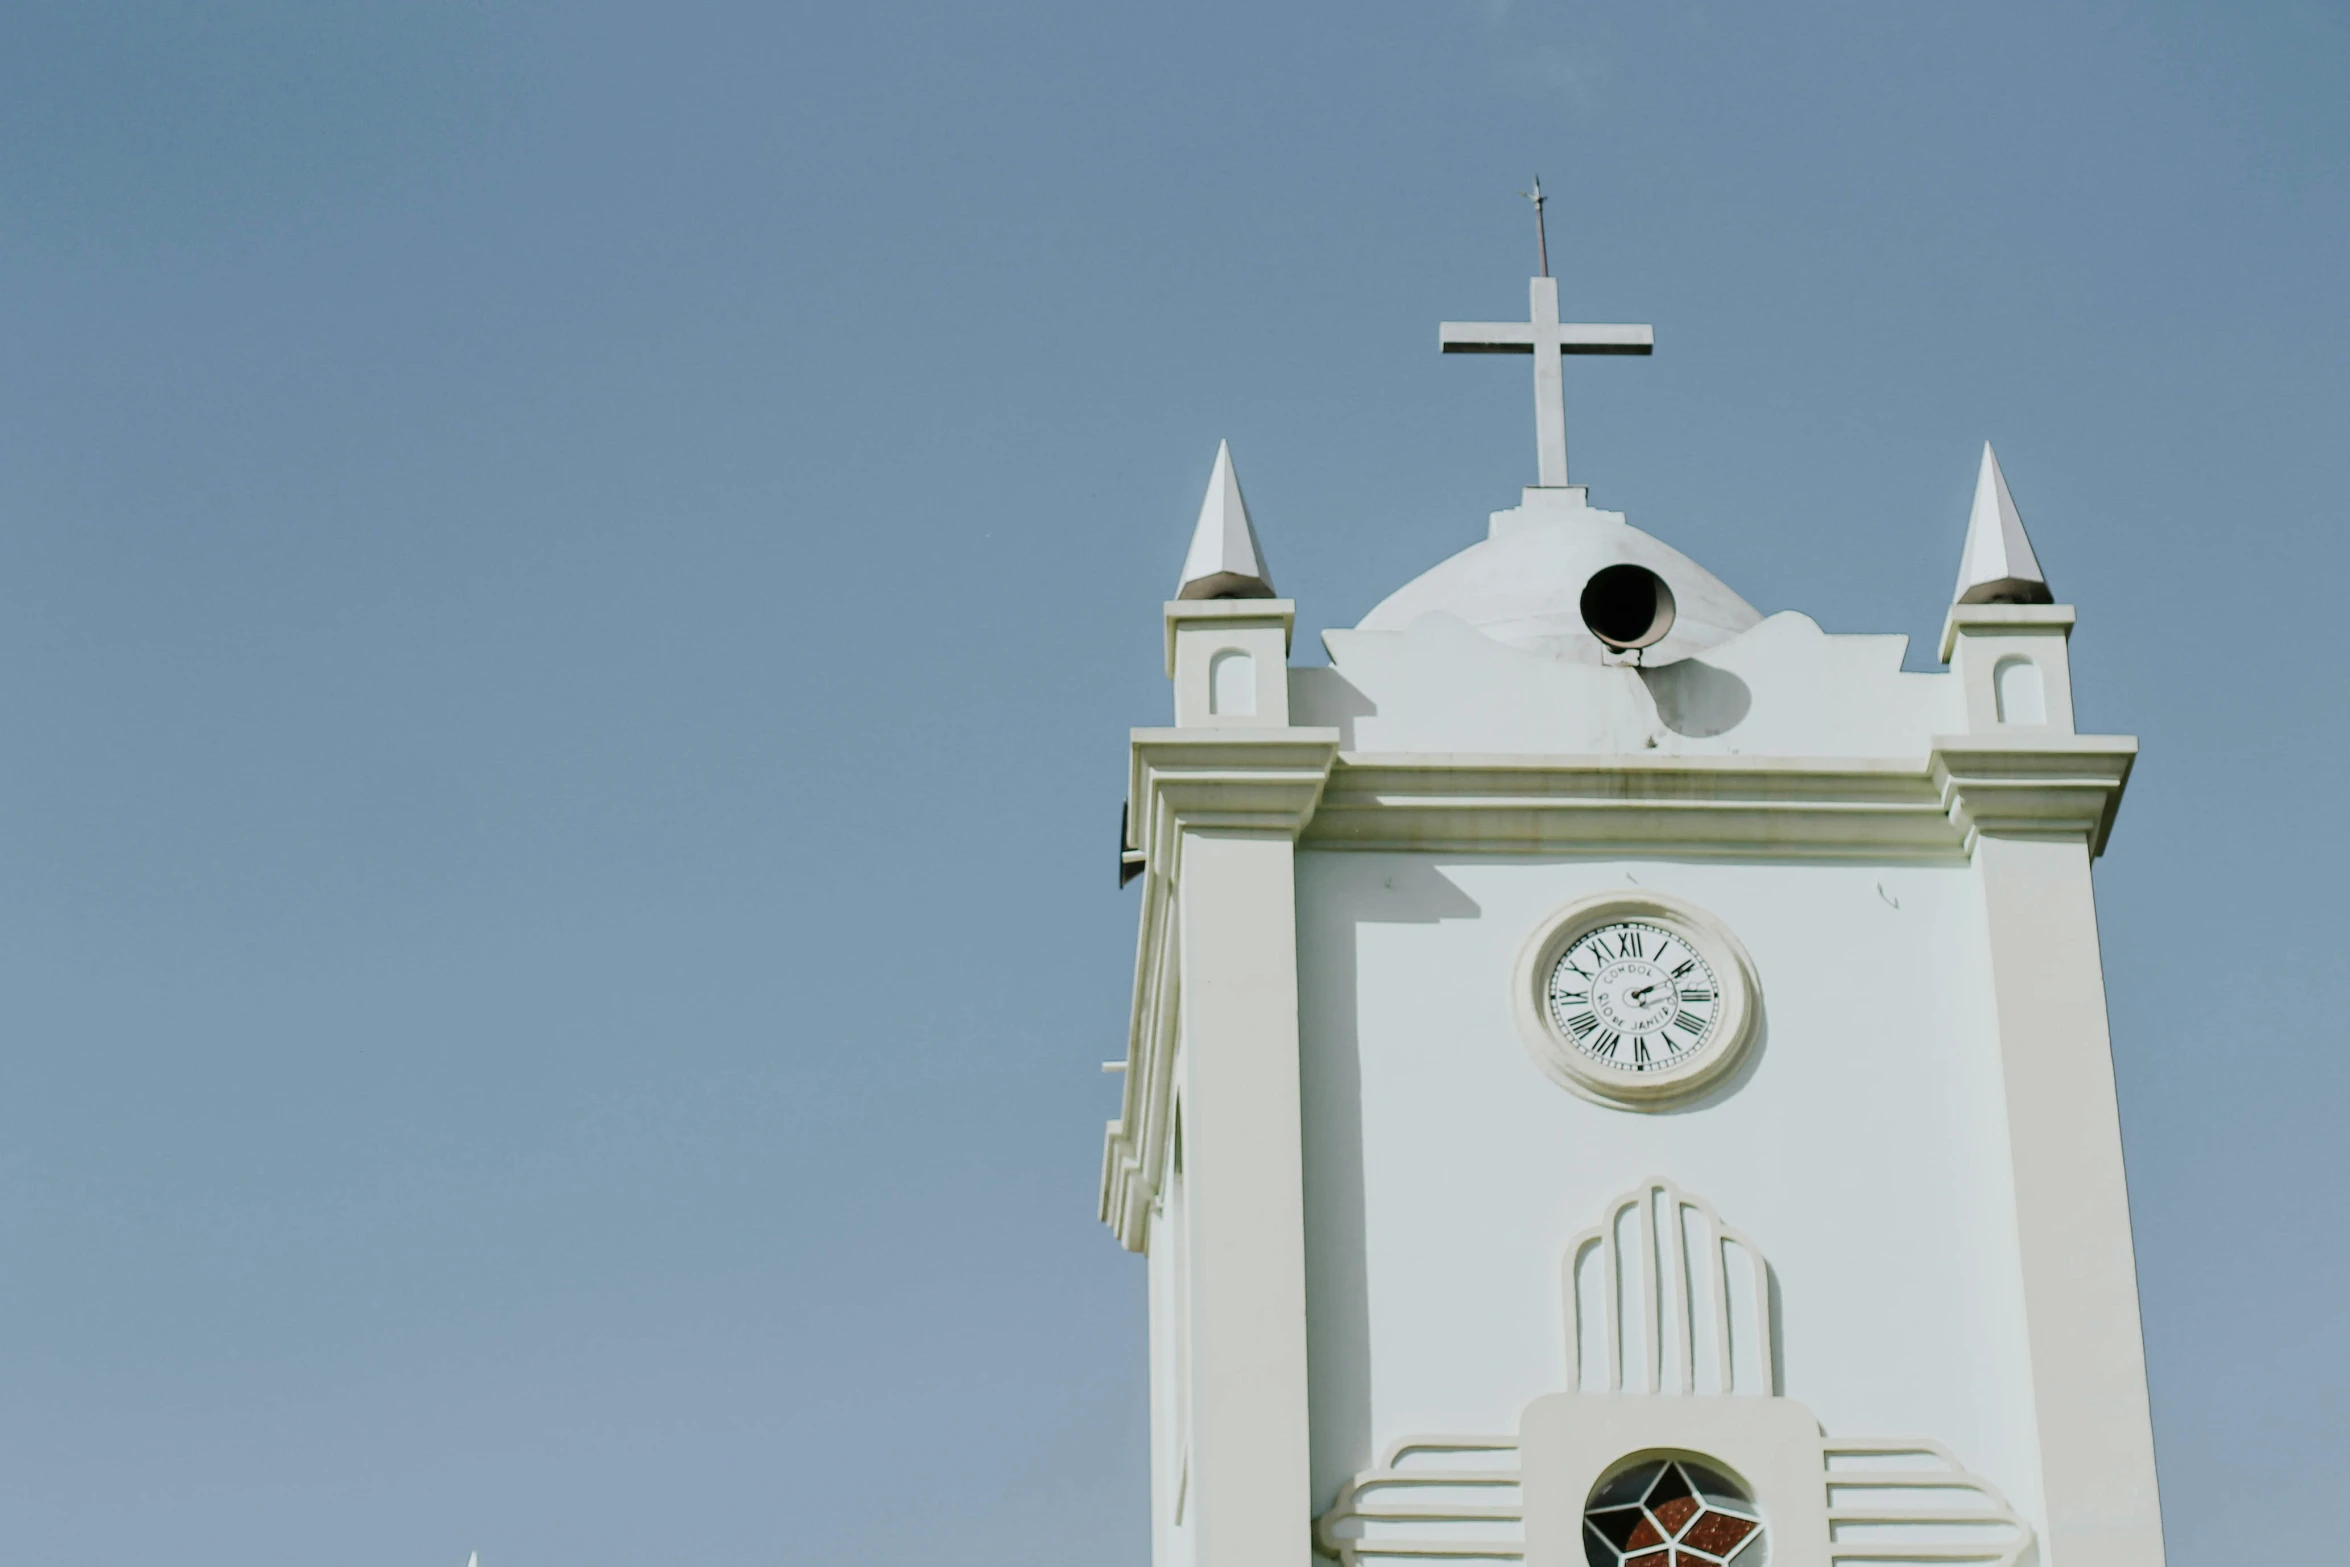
{"x":1546,"y":339}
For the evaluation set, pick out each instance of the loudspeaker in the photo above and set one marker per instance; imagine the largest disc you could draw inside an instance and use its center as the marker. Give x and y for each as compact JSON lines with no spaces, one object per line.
{"x":1627,"y":607}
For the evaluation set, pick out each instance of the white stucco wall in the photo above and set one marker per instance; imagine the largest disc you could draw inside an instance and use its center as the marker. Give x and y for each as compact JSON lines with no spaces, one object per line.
{"x":1173,"y":1539}
{"x":1861,"y":1146}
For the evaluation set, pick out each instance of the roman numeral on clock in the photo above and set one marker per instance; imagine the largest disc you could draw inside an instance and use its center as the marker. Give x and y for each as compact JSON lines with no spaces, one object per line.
{"x":1640,"y":1052}
{"x":1581,"y":1024}
{"x":1685,"y":967}
{"x":1696,"y":993}
{"x":1568,"y":998}
{"x":1605,"y":1044}
{"x":1630,"y":942}
{"x":1688,"y":1024}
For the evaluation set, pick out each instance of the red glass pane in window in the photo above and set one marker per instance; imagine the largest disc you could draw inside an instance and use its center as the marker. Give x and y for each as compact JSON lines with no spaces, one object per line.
{"x":1676,"y":1513}
{"x":1718,"y":1533}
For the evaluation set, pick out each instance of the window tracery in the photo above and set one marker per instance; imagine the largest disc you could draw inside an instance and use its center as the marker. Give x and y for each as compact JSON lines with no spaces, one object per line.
{"x":1672,"y":1513}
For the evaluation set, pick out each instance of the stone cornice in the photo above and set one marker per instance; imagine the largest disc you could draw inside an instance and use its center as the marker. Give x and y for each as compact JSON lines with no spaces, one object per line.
{"x":2046,"y":786}
{"x":1780,"y":807}
{"x":1776,"y":807}
{"x":1245,"y":780}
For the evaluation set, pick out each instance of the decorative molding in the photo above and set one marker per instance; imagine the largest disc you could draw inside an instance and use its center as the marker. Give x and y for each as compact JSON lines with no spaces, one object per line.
{"x":1879,"y":1502}
{"x":1699,"y":1321}
{"x":1724,"y":805}
{"x":1238,"y":780}
{"x":1134,"y":1146}
{"x":2004,"y":620}
{"x":1931,"y":1507}
{"x":1456,"y":1512}
{"x":1180,"y":780}
{"x":2048,"y":786}
{"x":1922,"y":1505}
{"x":1785,"y":808}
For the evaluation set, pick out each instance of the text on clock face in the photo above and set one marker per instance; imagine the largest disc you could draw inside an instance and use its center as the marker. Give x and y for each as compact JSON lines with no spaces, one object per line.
{"x":1634,"y":996}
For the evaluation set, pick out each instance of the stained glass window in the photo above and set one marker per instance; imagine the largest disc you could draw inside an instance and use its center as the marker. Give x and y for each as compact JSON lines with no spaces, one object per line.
{"x":1672,"y":1512}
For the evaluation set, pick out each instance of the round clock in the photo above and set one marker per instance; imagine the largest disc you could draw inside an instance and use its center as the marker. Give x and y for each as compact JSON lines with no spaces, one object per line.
{"x":1634,"y":998}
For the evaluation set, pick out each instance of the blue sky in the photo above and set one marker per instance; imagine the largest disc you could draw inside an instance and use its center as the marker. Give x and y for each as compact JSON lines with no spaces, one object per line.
{"x":572,"y":579}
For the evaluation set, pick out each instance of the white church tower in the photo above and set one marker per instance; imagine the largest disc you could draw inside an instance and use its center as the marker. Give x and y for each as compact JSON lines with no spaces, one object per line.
{"x":1616,"y":1077}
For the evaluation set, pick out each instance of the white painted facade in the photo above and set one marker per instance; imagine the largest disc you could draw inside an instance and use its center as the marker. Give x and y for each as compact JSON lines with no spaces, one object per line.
{"x":1374,"y":1272}
{"x":1861,"y":1146}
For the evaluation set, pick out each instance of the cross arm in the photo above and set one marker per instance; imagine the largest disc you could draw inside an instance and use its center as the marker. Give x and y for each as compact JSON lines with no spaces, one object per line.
{"x":1520,"y":337}
{"x":1486,"y":337}
{"x":1582,"y":338}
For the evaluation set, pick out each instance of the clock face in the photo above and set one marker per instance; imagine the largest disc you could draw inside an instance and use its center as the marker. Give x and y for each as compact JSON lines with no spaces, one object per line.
{"x":1634,"y":997}
{"x":1637,"y":998}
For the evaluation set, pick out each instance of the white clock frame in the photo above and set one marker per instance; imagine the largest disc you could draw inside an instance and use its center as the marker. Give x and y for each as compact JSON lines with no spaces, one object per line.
{"x":1736,"y":1013}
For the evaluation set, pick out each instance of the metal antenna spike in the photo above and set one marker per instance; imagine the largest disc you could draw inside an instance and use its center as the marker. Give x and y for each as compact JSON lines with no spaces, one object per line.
{"x":1541,"y":236}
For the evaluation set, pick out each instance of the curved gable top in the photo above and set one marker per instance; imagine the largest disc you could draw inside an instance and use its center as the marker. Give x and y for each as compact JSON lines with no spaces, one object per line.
{"x":1523,"y":585}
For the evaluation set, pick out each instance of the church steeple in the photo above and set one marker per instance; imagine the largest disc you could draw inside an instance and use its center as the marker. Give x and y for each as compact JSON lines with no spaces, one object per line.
{"x":1997,"y":566}
{"x":1225,"y":561}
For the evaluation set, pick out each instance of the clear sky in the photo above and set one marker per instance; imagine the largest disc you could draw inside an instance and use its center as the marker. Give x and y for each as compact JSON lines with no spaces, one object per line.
{"x":572,"y":581}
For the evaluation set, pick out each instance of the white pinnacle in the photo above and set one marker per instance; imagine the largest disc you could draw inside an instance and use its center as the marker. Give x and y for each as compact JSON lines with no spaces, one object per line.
{"x":1225,"y":561}
{"x":1997,"y":566}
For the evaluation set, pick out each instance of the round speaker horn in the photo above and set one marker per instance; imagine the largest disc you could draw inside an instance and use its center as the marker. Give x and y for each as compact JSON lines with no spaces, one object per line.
{"x":1627,"y":607}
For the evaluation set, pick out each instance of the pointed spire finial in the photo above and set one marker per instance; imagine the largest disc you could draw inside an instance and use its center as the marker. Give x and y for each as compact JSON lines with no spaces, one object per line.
{"x":1225,"y":561}
{"x":1997,"y":565}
